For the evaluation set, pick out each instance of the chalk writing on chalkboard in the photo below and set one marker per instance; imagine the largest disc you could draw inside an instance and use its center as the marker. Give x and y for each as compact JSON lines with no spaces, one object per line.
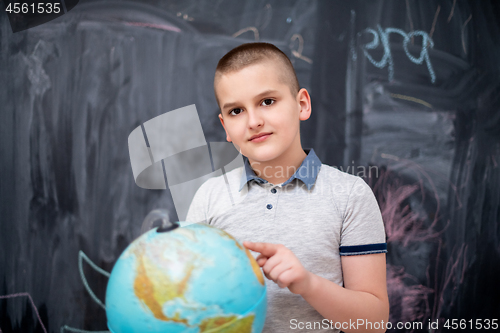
{"x":384,"y":35}
{"x":298,"y":53}
{"x":254,"y":29}
{"x":412,"y":99}
{"x":32,"y":304}
{"x":81,"y":257}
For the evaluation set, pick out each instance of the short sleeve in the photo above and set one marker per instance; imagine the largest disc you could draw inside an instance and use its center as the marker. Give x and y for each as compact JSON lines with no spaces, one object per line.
{"x":363,"y":229}
{"x":197,"y":212}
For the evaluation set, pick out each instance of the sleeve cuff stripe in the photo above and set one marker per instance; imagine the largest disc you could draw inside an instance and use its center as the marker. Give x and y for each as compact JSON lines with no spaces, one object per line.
{"x":363,"y":249}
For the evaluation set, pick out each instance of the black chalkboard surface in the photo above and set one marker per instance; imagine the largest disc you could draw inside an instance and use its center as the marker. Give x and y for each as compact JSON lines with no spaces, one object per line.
{"x":404,"y":93}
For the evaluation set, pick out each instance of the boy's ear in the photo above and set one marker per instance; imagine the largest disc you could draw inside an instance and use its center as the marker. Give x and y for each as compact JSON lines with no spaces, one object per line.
{"x":304,"y":101}
{"x":222,"y":122}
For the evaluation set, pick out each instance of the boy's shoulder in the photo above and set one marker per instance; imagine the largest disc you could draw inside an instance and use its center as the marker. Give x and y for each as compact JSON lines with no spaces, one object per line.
{"x":340,"y":180}
{"x":339,"y":175}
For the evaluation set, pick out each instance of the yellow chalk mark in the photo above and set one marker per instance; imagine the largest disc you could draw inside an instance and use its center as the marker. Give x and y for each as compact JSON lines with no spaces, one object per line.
{"x":412,"y":99}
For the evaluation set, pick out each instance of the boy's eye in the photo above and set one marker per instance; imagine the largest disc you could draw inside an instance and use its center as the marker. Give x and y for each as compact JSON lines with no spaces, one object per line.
{"x":235,"y":112}
{"x":268,"y":101}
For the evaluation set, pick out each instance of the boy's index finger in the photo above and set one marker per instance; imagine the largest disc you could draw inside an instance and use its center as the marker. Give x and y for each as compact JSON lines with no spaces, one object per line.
{"x":267,"y":249}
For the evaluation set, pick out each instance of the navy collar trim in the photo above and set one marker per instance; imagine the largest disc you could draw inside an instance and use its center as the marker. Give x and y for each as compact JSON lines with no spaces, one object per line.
{"x":307,"y":172}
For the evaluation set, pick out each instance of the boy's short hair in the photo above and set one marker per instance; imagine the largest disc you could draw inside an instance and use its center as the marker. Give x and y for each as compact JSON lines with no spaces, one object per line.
{"x":253,"y":53}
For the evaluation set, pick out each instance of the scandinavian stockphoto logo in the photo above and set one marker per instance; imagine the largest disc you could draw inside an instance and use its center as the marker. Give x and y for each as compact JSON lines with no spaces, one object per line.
{"x":26,"y":14}
{"x":171,"y":151}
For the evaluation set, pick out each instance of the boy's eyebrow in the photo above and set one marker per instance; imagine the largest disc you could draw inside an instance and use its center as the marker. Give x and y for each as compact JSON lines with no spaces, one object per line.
{"x":267,"y":92}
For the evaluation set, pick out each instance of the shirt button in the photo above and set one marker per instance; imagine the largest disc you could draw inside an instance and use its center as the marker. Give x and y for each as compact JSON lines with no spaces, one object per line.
{"x":269,"y":206}
{"x":273,"y":190}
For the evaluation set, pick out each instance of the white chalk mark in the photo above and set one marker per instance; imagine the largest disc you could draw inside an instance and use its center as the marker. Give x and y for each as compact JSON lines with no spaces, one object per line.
{"x":352,"y":42}
{"x":155,"y":26}
{"x":32,"y":304}
{"x":81,"y":256}
{"x":463,"y":30}
{"x":254,"y":29}
{"x":76,"y":330}
{"x":185,"y":16}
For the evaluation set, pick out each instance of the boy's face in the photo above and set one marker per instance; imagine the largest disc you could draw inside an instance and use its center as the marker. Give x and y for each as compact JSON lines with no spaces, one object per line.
{"x":254,"y":101}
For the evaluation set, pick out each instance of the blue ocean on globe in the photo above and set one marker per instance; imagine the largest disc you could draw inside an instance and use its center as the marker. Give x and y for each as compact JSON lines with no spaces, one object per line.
{"x":190,"y":279}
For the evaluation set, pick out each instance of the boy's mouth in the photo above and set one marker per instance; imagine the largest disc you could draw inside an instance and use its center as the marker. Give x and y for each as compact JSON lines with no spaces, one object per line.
{"x":260,"y":137}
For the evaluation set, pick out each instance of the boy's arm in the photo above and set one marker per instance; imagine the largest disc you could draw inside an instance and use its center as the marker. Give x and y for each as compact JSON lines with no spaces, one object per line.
{"x":362,"y":301}
{"x":363,"y":297}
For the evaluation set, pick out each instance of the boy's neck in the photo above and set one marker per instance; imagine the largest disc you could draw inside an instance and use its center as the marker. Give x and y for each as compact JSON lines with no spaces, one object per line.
{"x":278,"y":171}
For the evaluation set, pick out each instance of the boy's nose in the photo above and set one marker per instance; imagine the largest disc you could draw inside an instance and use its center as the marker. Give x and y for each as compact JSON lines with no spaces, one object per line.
{"x":255,"y":119}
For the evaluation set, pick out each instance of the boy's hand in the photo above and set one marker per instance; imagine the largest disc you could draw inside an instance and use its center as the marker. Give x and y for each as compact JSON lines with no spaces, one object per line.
{"x":282,"y":266}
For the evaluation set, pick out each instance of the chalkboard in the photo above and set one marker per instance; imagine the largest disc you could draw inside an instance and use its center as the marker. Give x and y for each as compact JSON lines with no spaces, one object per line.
{"x":408,"y":90}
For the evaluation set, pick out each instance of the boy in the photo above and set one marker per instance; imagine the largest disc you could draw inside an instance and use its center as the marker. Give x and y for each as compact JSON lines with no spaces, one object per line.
{"x":318,"y":230}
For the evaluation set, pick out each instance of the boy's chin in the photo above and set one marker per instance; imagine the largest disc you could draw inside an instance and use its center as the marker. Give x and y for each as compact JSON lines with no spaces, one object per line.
{"x":262,"y":155}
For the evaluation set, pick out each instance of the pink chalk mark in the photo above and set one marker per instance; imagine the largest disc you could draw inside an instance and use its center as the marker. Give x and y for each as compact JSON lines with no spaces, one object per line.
{"x":406,"y":226}
{"x":401,"y":223}
{"x":451,"y":267}
{"x":155,"y":26}
{"x":464,"y":265}
{"x":434,"y":310}
{"x":407,"y":298}
{"x":32,"y":304}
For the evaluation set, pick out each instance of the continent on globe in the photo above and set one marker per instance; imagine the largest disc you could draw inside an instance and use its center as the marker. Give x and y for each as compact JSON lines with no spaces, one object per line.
{"x":191,"y":279}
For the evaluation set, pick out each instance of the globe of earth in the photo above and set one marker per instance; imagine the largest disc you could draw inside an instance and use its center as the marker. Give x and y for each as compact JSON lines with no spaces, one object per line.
{"x":192,"y":279}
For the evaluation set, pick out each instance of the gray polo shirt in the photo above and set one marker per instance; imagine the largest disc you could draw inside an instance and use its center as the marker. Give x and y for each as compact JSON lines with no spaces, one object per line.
{"x":320,"y":213}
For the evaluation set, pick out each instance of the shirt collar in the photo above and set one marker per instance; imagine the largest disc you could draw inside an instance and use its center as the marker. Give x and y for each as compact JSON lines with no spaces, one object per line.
{"x":307,"y":172}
